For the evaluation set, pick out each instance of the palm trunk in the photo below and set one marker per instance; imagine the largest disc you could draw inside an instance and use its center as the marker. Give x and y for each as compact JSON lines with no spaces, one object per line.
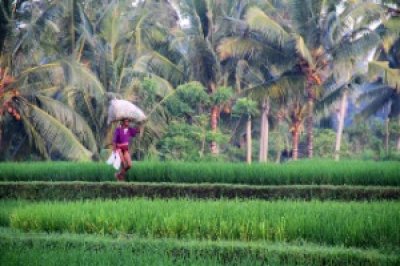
{"x":72,"y":25}
{"x":387,"y":136}
{"x":398,"y":139}
{"x":310,"y":129}
{"x":278,"y":141}
{"x":1,"y":137}
{"x":214,"y":126}
{"x":264,"y":131}
{"x":295,"y":142}
{"x":203,"y":146}
{"x":248,"y":141}
{"x":339,"y":132}
{"x":398,"y":143}
{"x":213,"y":120}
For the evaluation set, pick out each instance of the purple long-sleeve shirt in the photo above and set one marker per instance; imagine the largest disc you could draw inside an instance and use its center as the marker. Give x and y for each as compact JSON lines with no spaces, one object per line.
{"x":124,"y":136}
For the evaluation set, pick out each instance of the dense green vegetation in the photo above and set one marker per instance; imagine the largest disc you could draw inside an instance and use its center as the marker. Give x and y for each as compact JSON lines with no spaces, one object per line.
{"x":233,"y":80}
{"x":350,"y":224}
{"x":314,"y":172}
{"x":70,"y":249}
{"x":77,"y":190}
{"x":221,"y":83}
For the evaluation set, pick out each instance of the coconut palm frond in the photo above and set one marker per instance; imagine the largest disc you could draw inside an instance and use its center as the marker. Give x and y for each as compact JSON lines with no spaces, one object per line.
{"x":377,"y":104}
{"x":390,"y":76}
{"x":36,"y":26}
{"x":303,"y":51}
{"x":260,"y":22}
{"x":196,"y":13}
{"x":86,"y":28}
{"x":373,"y":92}
{"x":392,"y":25}
{"x":329,"y":36}
{"x":395,"y":107}
{"x":165,"y":87}
{"x":39,"y":68}
{"x":75,"y":74}
{"x":330,"y":98}
{"x":238,"y":48}
{"x":280,"y":87}
{"x":278,"y":61}
{"x":35,"y":139}
{"x":360,"y":14}
{"x":57,"y":137}
{"x":160,"y":65}
{"x":204,"y":61}
{"x":140,"y":45}
{"x":83,"y":78}
{"x":353,"y":49}
{"x":306,"y":15}
{"x":111,"y":27}
{"x":389,"y":41}
{"x":288,"y":85}
{"x":247,"y":75}
{"x":72,"y":120}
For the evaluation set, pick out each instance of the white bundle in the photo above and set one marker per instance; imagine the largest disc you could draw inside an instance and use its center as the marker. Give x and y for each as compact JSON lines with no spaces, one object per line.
{"x":122,"y":109}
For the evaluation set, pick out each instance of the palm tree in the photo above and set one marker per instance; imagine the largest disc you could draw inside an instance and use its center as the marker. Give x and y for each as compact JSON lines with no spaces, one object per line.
{"x":204,"y":31}
{"x":53,"y":127}
{"x":248,"y":108}
{"x":340,"y":93}
{"x":50,"y":125}
{"x":311,"y":46}
{"x":383,"y":93}
{"x":88,"y":62}
{"x":345,"y":77}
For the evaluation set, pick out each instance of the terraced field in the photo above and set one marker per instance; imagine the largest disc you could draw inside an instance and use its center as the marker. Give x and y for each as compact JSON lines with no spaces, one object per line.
{"x":303,"y":213}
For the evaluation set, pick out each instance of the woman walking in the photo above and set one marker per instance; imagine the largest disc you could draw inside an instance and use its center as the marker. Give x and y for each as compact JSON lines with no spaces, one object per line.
{"x":122,"y":136}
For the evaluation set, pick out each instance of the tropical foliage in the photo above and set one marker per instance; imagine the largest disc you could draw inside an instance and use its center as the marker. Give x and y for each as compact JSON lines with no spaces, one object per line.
{"x":199,"y":69}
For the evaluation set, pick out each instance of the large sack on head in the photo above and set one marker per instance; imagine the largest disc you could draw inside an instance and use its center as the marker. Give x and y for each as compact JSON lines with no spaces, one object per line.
{"x":122,"y":109}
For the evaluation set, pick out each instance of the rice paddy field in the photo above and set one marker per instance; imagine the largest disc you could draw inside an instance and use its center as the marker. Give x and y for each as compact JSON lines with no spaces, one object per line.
{"x":300,"y":213}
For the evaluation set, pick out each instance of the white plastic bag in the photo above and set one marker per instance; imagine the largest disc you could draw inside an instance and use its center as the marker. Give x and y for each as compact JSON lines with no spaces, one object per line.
{"x":114,"y":160}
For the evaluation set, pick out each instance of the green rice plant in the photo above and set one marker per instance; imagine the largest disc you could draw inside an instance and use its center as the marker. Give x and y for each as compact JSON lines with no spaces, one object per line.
{"x":305,"y":172}
{"x":77,"y":190}
{"x":360,"y":224}
{"x":70,"y":249}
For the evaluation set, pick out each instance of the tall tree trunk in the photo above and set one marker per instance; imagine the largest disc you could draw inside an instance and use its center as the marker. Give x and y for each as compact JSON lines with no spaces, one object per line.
{"x":214,"y":119}
{"x":398,"y":138}
{"x":387,"y":120}
{"x":398,"y":143}
{"x":339,"y":132}
{"x":248,"y":141}
{"x":279,"y":139}
{"x":72,"y":25}
{"x":214,"y":126}
{"x":310,"y":128}
{"x":295,"y":142}
{"x":1,"y":136}
{"x":264,"y":131}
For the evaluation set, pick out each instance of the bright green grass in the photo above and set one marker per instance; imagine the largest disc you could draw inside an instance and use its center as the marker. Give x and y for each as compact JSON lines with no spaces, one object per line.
{"x":360,"y":224}
{"x":71,"y":249}
{"x":301,"y":172}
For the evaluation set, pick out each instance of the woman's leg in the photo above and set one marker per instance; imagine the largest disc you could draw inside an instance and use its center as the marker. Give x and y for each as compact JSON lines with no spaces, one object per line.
{"x":128,"y":163}
{"x":123,"y":164}
{"x":128,"y":160}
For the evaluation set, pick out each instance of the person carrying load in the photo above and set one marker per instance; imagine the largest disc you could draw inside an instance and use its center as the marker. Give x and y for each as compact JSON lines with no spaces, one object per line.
{"x":125,"y":112}
{"x":122,"y":136}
